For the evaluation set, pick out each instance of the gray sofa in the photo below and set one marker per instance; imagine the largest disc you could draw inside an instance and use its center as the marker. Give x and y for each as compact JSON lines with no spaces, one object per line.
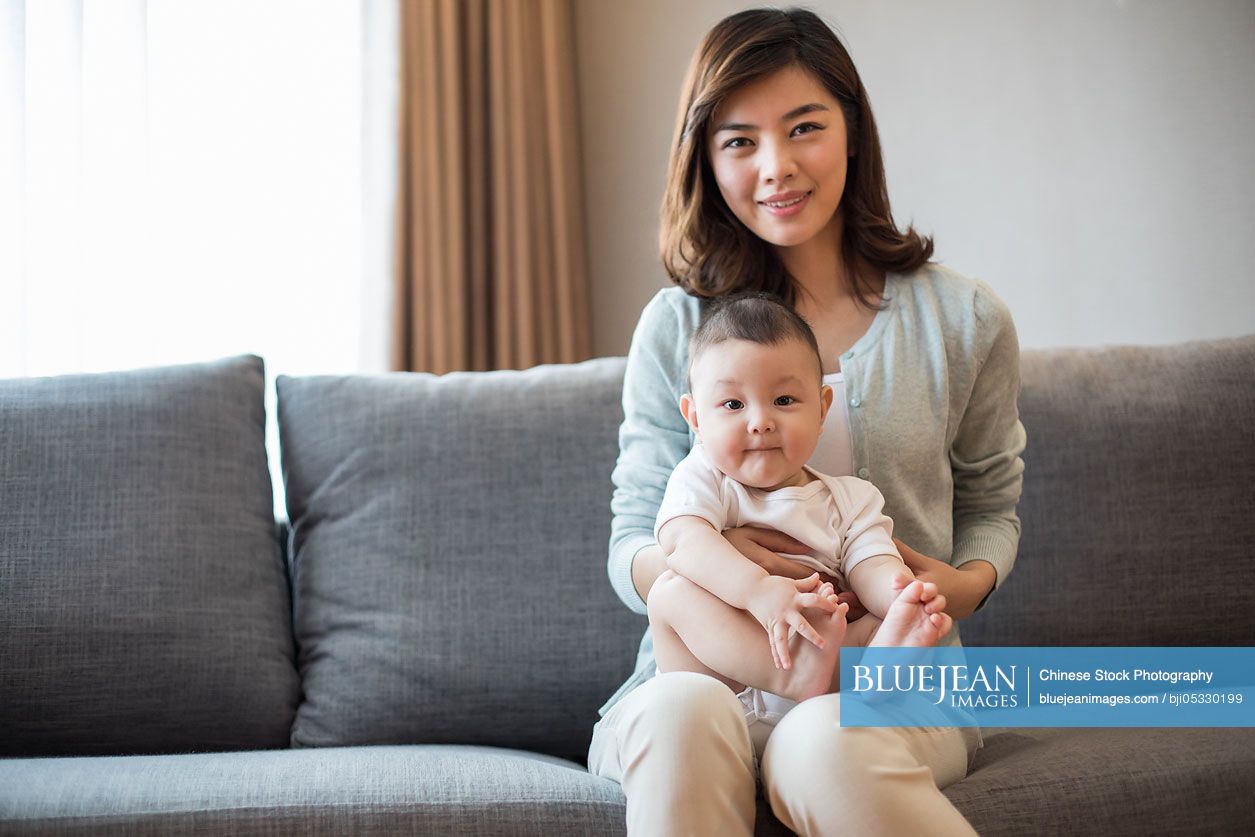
{"x":425,"y":647}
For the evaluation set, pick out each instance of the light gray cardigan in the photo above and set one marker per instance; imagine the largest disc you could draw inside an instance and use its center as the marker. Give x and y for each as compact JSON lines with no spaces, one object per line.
{"x":931,"y":393}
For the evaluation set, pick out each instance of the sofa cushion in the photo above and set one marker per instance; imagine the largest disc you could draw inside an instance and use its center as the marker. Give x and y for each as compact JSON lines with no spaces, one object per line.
{"x":143,"y":600}
{"x":449,"y":540}
{"x":362,"y":790}
{"x":1079,"y":781}
{"x":1137,"y":490}
{"x":1112,"y":782}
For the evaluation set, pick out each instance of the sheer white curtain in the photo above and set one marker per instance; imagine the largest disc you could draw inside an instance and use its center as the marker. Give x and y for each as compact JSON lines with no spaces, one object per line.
{"x":187,"y":179}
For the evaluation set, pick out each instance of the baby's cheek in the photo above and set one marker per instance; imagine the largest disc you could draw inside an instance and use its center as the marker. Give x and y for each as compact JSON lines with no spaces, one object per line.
{"x":731,"y":464}
{"x":722,"y":458}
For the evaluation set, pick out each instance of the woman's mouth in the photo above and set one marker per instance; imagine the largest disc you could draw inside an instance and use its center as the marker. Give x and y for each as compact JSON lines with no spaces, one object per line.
{"x":784,"y":205}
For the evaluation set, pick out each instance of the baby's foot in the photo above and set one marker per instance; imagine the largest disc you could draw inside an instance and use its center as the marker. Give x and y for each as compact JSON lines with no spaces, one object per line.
{"x":813,"y":668}
{"x":915,"y":619}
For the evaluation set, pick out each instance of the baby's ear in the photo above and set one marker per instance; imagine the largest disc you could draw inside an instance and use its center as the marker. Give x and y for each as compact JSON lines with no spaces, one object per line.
{"x":688,"y":409}
{"x":825,"y":401}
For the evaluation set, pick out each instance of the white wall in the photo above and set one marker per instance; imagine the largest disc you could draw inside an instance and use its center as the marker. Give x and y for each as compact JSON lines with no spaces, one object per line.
{"x":1094,"y":162}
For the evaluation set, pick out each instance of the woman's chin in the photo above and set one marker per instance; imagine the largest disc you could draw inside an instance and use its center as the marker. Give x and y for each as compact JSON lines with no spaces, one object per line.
{"x":786,"y":236}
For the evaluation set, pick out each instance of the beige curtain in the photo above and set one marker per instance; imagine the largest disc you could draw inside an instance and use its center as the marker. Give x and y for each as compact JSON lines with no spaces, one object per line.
{"x":491,"y":271}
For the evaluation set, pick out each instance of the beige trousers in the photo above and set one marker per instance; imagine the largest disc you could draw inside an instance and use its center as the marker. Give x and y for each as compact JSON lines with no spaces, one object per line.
{"x":680,"y":747}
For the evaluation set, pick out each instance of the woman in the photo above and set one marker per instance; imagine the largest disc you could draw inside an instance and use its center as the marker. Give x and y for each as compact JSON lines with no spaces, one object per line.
{"x":776,"y":184}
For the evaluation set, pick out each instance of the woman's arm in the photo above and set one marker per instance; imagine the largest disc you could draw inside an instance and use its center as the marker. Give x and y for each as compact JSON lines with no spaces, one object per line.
{"x":653,"y":438}
{"x":965,"y":587}
{"x":647,"y":565}
{"x":985,"y":455}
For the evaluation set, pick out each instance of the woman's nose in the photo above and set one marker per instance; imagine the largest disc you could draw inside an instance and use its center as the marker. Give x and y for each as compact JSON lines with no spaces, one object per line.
{"x":777,"y":165}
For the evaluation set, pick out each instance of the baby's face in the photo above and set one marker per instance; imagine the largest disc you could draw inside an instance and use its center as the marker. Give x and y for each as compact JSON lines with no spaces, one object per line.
{"x":758,"y":410}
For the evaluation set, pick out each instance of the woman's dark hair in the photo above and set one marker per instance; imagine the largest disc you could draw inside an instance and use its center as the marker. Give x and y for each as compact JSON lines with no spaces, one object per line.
{"x":705,"y":247}
{"x":755,"y":317}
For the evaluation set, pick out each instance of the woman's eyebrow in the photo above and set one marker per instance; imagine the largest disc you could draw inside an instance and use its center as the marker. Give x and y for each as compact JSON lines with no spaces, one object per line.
{"x":793,"y":114}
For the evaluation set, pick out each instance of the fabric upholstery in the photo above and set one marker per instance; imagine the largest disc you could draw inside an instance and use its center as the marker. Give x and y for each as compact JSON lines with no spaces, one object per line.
{"x":1137,"y":490}
{"x":434,"y":604}
{"x":449,"y":568}
{"x":1083,"y":781}
{"x":143,"y":601}
{"x":446,"y":790}
{"x":1113,"y":782}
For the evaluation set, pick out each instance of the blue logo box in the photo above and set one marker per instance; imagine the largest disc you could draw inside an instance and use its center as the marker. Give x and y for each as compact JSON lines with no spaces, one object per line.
{"x":1048,"y":687}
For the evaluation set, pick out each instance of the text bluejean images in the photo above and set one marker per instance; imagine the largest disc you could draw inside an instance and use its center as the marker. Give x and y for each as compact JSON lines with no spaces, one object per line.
{"x":1048,"y":687}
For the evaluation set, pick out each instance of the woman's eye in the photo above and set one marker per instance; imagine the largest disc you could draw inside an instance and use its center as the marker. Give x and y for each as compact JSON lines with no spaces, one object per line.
{"x":737,"y":142}
{"x":732,"y":404}
{"x":806,"y":128}
{"x":785,"y":400}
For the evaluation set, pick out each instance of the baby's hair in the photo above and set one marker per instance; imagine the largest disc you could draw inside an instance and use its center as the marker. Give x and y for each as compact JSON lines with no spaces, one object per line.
{"x":756,"y":317}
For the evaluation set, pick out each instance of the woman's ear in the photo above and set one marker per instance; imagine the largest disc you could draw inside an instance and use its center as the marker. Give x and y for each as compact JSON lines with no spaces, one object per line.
{"x":688,"y":409}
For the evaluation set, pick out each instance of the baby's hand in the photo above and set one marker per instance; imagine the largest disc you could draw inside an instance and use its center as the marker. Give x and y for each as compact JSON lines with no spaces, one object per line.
{"x":777,"y":603}
{"x":855,"y":609}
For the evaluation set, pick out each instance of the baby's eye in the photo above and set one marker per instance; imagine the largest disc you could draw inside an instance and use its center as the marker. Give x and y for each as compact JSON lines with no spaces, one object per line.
{"x":785,"y":400}
{"x":732,"y":404}
{"x":806,"y":128}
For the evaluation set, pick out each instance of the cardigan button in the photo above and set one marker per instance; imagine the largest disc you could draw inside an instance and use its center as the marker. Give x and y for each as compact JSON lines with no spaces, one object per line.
{"x":863,"y":473}
{"x":854,"y":402}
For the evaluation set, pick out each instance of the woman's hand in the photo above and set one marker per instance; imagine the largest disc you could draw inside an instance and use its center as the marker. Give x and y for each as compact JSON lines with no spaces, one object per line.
{"x":764,"y":548}
{"x":964,"y":588}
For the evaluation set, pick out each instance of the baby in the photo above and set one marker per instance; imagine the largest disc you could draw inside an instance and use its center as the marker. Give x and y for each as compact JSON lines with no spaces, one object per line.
{"x":757,"y":404}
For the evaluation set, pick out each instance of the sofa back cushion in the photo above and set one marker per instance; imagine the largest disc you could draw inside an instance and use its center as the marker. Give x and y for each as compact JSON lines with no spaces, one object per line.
{"x":143,"y":600}
{"x":1138,"y":510}
{"x":449,"y":538}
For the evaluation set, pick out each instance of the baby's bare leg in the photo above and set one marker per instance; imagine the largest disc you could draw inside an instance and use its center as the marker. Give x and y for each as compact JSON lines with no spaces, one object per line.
{"x":694,"y":630}
{"x":861,"y":631}
{"x":670,"y":650}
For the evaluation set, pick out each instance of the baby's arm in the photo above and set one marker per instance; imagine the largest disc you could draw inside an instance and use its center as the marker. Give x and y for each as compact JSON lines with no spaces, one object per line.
{"x":901,"y":610}
{"x":699,"y":554}
{"x":695,"y":550}
{"x":868,"y":556}
{"x":912,"y":614}
{"x":878,"y":580}
{"x":696,"y":631}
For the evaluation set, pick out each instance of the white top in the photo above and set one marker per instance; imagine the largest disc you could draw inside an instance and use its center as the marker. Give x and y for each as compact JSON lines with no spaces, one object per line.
{"x":835,"y":453}
{"x":841,"y":519}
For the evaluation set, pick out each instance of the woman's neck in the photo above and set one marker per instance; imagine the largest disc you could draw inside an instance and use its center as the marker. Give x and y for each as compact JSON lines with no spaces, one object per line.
{"x":819,"y":270}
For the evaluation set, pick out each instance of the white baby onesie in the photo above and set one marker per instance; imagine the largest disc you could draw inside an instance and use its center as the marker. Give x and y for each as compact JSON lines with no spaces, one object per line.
{"x":841,"y":519}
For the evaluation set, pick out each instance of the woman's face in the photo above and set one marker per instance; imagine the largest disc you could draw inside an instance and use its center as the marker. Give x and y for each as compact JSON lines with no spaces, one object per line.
{"x":778,"y":150}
